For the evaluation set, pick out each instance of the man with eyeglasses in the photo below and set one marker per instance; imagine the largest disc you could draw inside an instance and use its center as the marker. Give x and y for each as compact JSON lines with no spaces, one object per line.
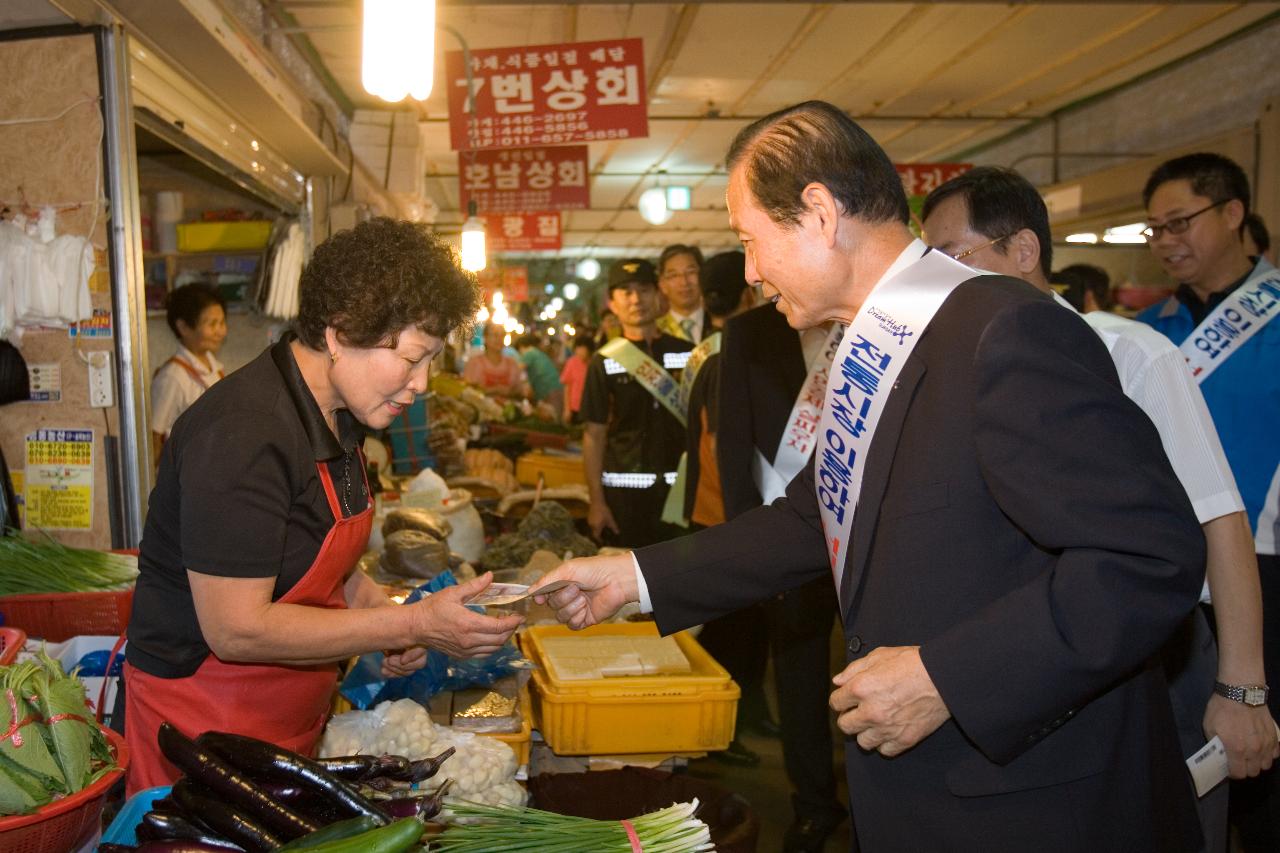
{"x":678,"y":270}
{"x":1221,"y":318}
{"x":961,"y":218}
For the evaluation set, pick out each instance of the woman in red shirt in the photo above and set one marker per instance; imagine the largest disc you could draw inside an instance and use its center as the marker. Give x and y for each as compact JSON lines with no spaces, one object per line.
{"x":574,"y":376}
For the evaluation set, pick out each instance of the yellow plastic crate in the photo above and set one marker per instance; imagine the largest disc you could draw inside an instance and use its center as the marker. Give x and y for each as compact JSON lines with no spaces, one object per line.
{"x":223,"y":236}
{"x":555,"y":470}
{"x":632,"y":714}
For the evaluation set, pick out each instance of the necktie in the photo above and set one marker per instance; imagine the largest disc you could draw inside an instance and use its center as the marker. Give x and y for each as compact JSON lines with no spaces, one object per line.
{"x":687,"y":325}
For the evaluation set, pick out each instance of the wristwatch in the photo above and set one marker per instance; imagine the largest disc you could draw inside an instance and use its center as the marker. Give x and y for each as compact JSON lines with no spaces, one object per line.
{"x":1253,"y":695}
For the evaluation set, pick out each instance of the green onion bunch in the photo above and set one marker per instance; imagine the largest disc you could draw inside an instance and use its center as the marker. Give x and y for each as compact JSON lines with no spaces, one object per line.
{"x":29,"y":566}
{"x":670,"y":830}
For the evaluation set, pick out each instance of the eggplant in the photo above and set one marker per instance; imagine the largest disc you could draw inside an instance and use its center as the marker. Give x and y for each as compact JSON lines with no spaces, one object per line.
{"x":425,"y":768}
{"x":303,"y":801}
{"x":382,"y":785}
{"x":207,"y":769}
{"x":423,"y":807}
{"x":268,"y":761}
{"x":223,"y":818}
{"x":357,"y":768}
{"x":171,"y":826}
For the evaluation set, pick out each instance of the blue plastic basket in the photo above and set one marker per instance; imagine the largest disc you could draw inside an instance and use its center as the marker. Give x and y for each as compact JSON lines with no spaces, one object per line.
{"x":122,"y":829}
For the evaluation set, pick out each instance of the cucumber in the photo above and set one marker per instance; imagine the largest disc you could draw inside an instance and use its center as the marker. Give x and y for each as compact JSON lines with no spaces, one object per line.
{"x":333,"y":832}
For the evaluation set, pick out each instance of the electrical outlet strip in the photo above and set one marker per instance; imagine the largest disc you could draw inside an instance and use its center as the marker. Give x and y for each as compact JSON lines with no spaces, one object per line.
{"x":101,"y":388}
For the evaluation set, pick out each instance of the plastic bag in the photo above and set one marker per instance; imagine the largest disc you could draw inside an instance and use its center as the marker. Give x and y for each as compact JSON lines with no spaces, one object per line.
{"x":365,"y":687}
{"x":414,"y":554}
{"x":416,"y":518}
{"x":426,"y":489}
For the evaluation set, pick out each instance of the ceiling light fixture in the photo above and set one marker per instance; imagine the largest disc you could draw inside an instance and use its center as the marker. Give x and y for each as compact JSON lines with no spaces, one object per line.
{"x":679,"y":198}
{"x":571,"y":289}
{"x":1131,"y":233}
{"x":588,"y":269}
{"x":653,"y":206}
{"x":473,"y":250}
{"x":398,"y":48}
{"x":1082,"y":237}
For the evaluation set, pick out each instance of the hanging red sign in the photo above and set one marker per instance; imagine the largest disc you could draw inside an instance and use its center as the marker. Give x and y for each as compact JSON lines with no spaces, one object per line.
{"x":550,"y":94}
{"x":923,"y":178}
{"x":522,"y":232}
{"x":515,"y":283}
{"x":524,"y":179}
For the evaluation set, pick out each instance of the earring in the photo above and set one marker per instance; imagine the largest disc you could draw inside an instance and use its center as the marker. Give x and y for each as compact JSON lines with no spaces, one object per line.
{"x":333,"y":358}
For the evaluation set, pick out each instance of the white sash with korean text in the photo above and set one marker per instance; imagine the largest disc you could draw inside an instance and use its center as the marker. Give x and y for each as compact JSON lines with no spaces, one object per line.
{"x":647,"y":372}
{"x":1236,"y":319}
{"x":866,"y":365}
{"x":710,"y":346}
{"x":798,"y":439}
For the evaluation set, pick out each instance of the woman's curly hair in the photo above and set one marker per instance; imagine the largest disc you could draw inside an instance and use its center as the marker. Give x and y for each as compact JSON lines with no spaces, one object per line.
{"x":372,"y":281}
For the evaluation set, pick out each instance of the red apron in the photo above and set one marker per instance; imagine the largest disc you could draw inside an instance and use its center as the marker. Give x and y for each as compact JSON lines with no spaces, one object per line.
{"x":195,"y":374}
{"x":286,"y":705}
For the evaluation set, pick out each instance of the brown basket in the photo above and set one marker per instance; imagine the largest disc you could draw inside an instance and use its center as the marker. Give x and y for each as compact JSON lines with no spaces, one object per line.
{"x":58,"y":616}
{"x":67,"y":824}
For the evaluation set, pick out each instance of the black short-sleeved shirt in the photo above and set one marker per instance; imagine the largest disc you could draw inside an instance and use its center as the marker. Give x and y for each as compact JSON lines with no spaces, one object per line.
{"x":643,"y":437}
{"x":238,"y":495}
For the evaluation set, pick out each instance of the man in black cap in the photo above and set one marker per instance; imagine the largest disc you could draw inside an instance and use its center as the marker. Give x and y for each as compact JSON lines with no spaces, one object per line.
{"x":635,"y":422}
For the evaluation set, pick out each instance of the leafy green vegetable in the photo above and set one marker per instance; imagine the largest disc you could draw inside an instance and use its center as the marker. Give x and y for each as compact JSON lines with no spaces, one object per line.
{"x":49,"y":566}
{"x":62,"y":705}
{"x":20,"y":720}
{"x":49,"y":746}
{"x":670,"y":830}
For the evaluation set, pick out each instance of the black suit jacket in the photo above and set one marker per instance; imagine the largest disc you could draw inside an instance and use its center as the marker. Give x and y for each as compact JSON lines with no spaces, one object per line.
{"x":761,"y":371}
{"x":1019,"y":522}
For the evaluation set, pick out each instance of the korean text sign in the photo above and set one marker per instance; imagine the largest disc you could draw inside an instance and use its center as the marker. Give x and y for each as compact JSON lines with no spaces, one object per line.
{"x":551,"y":94}
{"x":920,"y":179}
{"x":59,"y":479}
{"x":525,"y":179}
{"x":522,"y":232}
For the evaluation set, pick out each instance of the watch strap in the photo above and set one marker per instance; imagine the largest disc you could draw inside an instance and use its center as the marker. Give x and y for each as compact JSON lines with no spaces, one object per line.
{"x":1242,"y":693}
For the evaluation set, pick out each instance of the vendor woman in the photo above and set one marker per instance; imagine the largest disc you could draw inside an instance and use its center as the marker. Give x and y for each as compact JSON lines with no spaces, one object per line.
{"x":248,"y":594}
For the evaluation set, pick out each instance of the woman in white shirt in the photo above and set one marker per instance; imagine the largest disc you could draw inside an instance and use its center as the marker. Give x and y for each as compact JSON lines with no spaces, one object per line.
{"x":198,"y":317}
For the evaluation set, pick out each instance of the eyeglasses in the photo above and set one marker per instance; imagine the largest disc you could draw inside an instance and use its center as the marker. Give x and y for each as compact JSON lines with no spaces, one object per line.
{"x":1179,"y":224}
{"x":960,"y":256}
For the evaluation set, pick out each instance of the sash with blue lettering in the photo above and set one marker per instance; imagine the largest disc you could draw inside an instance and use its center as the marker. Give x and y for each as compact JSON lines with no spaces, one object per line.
{"x":874,"y":349}
{"x":1236,"y":319}
{"x":801,"y":435}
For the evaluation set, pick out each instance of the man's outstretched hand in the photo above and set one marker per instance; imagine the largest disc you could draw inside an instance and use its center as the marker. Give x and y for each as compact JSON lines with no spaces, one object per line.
{"x":599,"y":586}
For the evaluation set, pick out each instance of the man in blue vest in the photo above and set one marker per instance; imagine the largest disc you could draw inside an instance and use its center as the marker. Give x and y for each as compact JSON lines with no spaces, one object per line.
{"x":1220,"y":317}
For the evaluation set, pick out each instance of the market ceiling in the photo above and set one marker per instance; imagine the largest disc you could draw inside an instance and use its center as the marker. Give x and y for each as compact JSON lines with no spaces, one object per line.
{"x":931,"y":81}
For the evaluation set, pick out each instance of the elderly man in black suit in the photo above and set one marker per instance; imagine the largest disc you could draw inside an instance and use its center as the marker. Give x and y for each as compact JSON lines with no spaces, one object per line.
{"x":1009,"y":543}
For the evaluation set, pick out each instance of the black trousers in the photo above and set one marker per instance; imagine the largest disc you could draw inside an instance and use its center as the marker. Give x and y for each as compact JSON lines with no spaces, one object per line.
{"x":800,"y":625}
{"x":1255,"y":803}
{"x":639,"y":516}
{"x":740,"y":643}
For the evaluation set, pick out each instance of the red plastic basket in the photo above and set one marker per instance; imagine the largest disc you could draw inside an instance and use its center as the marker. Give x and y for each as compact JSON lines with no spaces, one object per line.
{"x":58,"y":616}
{"x":68,"y":824}
{"x":11,"y":642}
